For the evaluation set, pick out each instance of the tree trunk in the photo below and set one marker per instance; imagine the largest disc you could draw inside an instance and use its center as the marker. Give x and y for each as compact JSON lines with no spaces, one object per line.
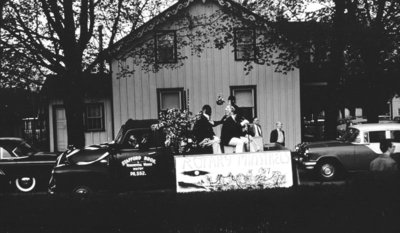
{"x":336,"y":70}
{"x":74,"y":108}
{"x":375,"y":94}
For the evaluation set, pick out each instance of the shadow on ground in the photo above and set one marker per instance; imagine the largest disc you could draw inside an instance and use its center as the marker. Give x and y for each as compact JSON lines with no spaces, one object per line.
{"x":363,"y":205}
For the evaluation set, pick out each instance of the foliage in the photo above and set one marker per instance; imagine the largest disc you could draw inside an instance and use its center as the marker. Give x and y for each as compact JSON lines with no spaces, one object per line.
{"x":370,"y":37}
{"x":177,"y":126}
{"x":62,"y":39}
{"x":15,"y":73}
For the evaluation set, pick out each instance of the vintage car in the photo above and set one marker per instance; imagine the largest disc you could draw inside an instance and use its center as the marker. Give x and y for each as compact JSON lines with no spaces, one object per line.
{"x":23,"y":166}
{"x":354,"y":151}
{"x":134,"y":160}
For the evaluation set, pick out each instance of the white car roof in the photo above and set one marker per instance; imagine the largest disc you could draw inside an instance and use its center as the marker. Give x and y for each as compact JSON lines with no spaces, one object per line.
{"x":377,"y":126}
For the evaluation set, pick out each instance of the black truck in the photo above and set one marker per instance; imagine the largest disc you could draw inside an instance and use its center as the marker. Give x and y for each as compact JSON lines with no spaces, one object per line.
{"x":134,"y":160}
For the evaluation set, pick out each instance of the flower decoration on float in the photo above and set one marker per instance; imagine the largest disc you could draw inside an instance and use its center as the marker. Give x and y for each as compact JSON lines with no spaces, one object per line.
{"x":220,"y":100}
{"x":177,"y":125}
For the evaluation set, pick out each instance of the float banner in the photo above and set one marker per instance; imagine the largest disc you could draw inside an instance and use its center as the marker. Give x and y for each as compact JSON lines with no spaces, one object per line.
{"x":258,"y":170}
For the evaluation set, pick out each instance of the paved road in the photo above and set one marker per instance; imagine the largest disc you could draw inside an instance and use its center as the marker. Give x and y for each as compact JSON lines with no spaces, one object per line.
{"x":308,"y":179}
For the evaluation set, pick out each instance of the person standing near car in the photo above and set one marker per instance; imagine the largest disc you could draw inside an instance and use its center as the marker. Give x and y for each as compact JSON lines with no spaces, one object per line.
{"x":384,"y":162}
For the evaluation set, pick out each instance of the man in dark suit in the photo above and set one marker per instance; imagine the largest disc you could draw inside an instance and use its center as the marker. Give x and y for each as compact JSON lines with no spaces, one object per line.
{"x":204,"y":133}
{"x":278,"y":135}
{"x":238,"y":111}
{"x":232,"y":130}
{"x":255,"y":128}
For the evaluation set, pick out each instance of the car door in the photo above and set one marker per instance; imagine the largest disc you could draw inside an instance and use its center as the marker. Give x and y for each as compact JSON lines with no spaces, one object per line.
{"x":369,"y":149}
{"x":5,"y":159}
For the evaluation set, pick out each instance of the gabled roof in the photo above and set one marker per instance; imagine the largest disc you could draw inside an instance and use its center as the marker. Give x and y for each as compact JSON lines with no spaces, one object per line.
{"x":173,"y":11}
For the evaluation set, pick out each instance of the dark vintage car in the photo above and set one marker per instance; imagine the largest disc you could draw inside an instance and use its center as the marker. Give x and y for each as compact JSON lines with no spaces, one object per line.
{"x":24,"y":167}
{"x":354,"y":151}
{"x":134,"y":160}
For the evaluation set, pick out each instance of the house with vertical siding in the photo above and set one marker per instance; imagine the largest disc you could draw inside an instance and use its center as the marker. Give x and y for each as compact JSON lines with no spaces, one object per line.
{"x":193,"y":52}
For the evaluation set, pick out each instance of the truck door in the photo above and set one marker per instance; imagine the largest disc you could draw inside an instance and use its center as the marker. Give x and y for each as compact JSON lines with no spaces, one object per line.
{"x":138,"y":166}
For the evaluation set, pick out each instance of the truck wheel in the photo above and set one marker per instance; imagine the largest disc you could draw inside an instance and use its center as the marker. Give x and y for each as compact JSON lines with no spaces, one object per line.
{"x":25,"y":184}
{"x":327,"y":170}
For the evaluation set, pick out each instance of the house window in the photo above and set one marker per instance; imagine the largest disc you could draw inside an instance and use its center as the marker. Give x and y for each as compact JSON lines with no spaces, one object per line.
{"x":245,"y":44}
{"x":170,"y":98}
{"x":165,"y":47}
{"x":246,"y":100}
{"x":94,"y":117}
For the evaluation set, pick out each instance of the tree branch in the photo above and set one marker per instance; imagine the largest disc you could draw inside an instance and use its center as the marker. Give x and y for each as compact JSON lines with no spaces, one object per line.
{"x":83,"y":21}
{"x":57,"y":21}
{"x":115,"y":24}
{"x":33,"y":44}
{"x":70,"y":45}
{"x":53,"y":67}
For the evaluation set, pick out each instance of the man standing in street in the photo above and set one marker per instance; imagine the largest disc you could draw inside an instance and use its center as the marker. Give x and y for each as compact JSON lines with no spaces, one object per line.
{"x":384,"y":162}
{"x":278,"y":135}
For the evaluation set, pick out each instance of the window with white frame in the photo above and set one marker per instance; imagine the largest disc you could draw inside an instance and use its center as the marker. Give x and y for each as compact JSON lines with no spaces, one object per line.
{"x":245,"y":44}
{"x":246,"y":100}
{"x":94,"y":117}
{"x":165,"y":47}
{"x":170,"y":98}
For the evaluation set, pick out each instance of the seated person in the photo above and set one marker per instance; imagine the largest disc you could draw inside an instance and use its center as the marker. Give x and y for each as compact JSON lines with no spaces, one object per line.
{"x":137,"y":139}
{"x":133,"y":142}
{"x":204,"y":133}
{"x":232,"y":133}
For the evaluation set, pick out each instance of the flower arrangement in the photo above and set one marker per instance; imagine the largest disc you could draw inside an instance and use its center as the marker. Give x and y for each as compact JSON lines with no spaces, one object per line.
{"x":177,"y":125}
{"x":220,"y":100}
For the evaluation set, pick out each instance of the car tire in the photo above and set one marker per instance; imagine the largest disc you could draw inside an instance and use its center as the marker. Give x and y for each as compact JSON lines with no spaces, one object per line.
{"x":328,"y":170}
{"x":82,"y":191}
{"x":25,"y":184}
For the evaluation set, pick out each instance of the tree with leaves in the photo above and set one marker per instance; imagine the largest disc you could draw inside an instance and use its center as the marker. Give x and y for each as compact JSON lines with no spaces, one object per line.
{"x":362,"y":51}
{"x":61,"y":39}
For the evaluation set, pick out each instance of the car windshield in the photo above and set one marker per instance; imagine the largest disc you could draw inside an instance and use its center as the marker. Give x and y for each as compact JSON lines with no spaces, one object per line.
{"x":24,"y":149}
{"x":118,"y":138}
{"x":350,"y":135}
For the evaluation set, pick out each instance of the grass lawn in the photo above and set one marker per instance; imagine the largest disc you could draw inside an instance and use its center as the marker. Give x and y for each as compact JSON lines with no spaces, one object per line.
{"x":357,"y":207}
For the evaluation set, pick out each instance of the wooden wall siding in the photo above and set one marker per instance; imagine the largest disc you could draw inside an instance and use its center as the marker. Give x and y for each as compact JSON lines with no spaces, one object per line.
{"x":278,"y":95}
{"x":90,"y":137}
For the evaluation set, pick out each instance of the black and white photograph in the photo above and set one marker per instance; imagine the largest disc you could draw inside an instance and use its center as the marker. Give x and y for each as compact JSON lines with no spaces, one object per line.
{"x":203,"y":116}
